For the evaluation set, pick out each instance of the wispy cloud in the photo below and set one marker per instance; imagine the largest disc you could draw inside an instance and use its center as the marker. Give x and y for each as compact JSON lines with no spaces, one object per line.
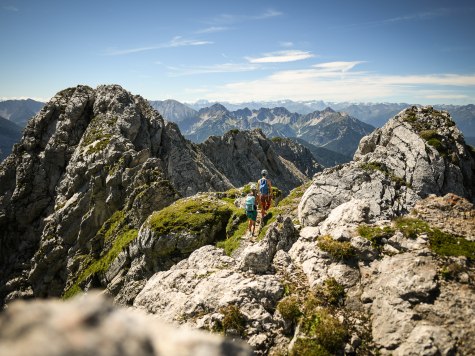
{"x":176,"y":41}
{"x":286,"y":44}
{"x":212,"y":29}
{"x":217,"y":68}
{"x":266,"y":15}
{"x":339,"y":81}
{"x":419,"y":16}
{"x":446,"y":96}
{"x":179,"y":41}
{"x":282,"y":57}
{"x":336,"y":66}
{"x":230,"y":19}
{"x":11,"y":8}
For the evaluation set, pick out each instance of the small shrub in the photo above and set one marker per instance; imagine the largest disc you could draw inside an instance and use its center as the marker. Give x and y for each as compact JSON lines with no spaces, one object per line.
{"x":233,"y":131}
{"x":308,"y":347}
{"x":330,"y":292}
{"x":374,"y":166}
{"x":278,"y":139}
{"x":411,"y":228}
{"x":338,"y":250}
{"x":410,"y":117}
{"x":428,"y":134}
{"x":325,"y":329}
{"x":233,"y":319}
{"x":288,"y":307}
{"x":451,"y":271}
{"x":375,"y":234}
{"x":438,"y":145}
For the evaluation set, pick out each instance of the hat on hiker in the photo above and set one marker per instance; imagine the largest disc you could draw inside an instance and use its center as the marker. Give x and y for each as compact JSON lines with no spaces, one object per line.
{"x":264,"y":172}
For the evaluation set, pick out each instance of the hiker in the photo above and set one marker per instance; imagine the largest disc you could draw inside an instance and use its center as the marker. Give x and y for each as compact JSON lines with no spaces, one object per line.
{"x":265,"y":193}
{"x":251,"y":209}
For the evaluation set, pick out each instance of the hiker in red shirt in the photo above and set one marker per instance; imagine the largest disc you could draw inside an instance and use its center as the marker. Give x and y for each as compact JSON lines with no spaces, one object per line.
{"x":265,"y":193}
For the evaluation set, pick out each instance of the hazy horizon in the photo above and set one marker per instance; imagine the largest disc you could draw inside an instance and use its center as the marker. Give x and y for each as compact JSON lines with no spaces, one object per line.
{"x":366,"y":52}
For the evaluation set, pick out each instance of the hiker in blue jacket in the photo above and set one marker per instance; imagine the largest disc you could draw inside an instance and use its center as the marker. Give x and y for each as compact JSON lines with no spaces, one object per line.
{"x":265,"y":193}
{"x":251,"y":209}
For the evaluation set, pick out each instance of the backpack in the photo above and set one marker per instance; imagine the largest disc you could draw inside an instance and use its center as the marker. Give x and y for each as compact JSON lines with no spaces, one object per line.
{"x":250,"y":203}
{"x":263,"y":187}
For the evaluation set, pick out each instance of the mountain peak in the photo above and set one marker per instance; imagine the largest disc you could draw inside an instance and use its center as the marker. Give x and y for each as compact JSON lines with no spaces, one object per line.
{"x":328,"y":110}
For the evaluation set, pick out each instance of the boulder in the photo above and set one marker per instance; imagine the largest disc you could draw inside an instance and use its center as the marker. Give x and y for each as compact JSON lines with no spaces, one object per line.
{"x":92,"y":325}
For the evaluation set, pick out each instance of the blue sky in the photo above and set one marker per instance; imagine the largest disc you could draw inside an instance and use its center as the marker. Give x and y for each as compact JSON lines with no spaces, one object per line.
{"x":364,"y":51}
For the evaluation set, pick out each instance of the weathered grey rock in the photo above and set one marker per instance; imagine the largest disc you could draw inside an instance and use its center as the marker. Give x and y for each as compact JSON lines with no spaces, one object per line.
{"x":318,"y":265}
{"x":87,"y":155}
{"x":242,"y":155}
{"x":258,"y":257}
{"x":193,"y":290}
{"x":397,"y":283}
{"x":91,"y":325}
{"x":342,"y":220}
{"x":394,"y":167}
{"x":449,"y":213}
{"x":427,"y":340}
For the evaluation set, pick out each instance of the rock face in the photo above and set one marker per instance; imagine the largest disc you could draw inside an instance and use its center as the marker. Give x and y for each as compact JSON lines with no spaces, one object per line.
{"x":417,"y":153}
{"x":86,"y":155}
{"x":199,"y":291}
{"x":92,"y":325}
{"x":92,"y":166}
{"x":241,"y":155}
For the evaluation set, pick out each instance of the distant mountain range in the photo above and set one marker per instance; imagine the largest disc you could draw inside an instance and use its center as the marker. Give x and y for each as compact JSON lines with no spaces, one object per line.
{"x":335,"y":131}
{"x":19,"y":111}
{"x":376,"y":114}
{"x":10,"y":133}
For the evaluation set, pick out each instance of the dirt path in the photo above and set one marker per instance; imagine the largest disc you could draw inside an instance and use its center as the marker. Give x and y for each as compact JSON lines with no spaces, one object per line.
{"x":247,"y":239}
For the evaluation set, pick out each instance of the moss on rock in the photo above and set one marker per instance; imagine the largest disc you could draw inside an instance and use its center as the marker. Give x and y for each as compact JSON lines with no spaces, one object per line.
{"x":190,"y":214}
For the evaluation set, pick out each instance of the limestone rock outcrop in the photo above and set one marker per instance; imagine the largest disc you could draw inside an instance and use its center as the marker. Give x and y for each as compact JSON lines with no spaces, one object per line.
{"x":92,"y":325}
{"x":418,"y":152}
{"x":92,"y":166}
{"x":87,"y":155}
{"x":209,"y":286}
{"x":241,"y":155}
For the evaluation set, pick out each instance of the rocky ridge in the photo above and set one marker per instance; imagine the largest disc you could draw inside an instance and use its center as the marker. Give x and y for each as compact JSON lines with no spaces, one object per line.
{"x":351,"y":263}
{"x":351,"y":280}
{"x":91,"y":167}
{"x":417,"y":153}
{"x":240,"y":154}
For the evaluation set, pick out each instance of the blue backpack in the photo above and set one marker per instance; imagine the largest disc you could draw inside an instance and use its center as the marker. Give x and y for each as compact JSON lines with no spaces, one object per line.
{"x":263,"y":187}
{"x":250,"y":203}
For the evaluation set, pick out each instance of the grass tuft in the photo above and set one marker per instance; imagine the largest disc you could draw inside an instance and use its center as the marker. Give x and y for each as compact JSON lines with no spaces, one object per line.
{"x":338,"y":250}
